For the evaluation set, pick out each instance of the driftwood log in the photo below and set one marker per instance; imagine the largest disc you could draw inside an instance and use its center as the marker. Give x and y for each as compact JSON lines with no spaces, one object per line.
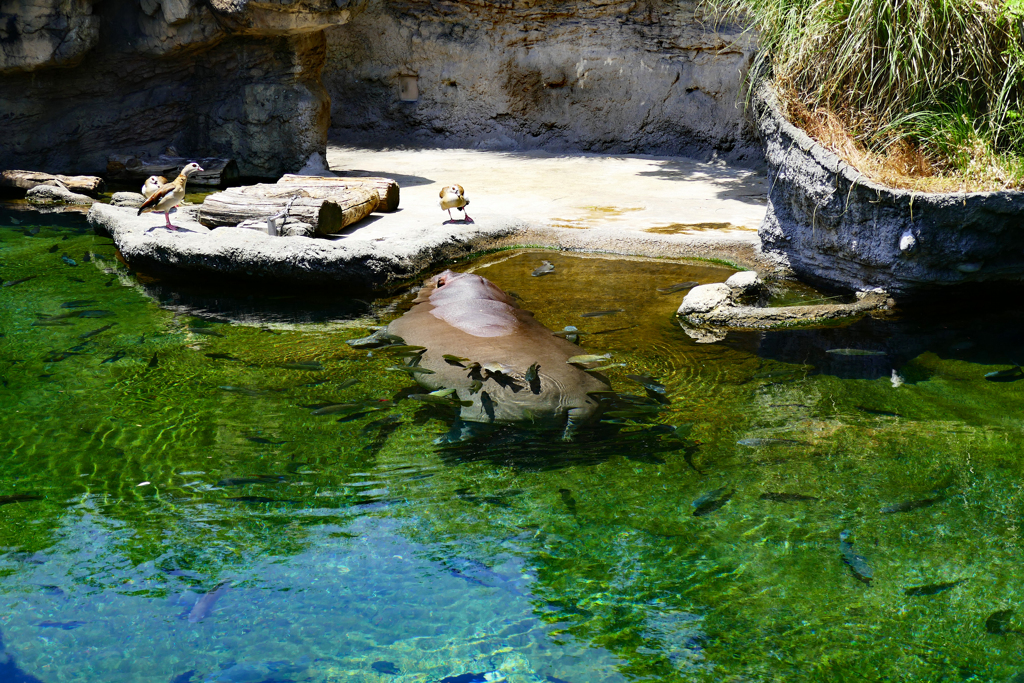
{"x":386,"y":187}
{"x":329,"y":209}
{"x":215,"y":173}
{"x":26,"y":180}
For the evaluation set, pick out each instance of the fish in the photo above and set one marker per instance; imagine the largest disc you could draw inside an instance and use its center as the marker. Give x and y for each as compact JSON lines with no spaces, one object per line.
{"x":588,"y":358}
{"x":909,"y":505}
{"x":261,"y":440}
{"x":441,"y":393}
{"x":118,"y":355}
{"x":185,"y":677}
{"x":609,"y":366}
{"x":68,"y":260}
{"x":204,"y":606}
{"x":678,"y":287}
{"x":1007,"y":375}
{"x":875,"y":411}
{"x":454,"y":360}
{"x":78,"y":303}
{"x":53,"y":249}
{"x":98,"y":330}
{"x":385,"y":667}
{"x":58,"y":356}
{"x":567,"y":498}
{"x":255,"y":499}
{"x":569,"y":332}
{"x":758,"y":442}
{"x":430,"y":398}
{"x":310,"y":365}
{"x":356,"y":416}
{"x":30,"y":232}
{"x":854,"y":352}
{"x":337,"y":408}
{"x":648,"y":383}
{"x":19,"y":498}
{"x":153,"y":362}
{"x":648,"y":458}
{"x":208,"y":331}
{"x":544,"y":268}
{"x":346,"y":383}
{"x":51,"y":322}
{"x":405,"y":349}
{"x":998,"y":623}
{"x":932,"y":588}
{"x":11,"y":283}
{"x":858,"y":563}
{"x":475,"y":386}
{"x":597,"y":314}
{"x":95,"y":314}
{"x":86,"y":257}
{"x":712,"y":501}
{"x":532,"y":373}
{"x":221,"y":356}
{"x":786,"y":497}
{"x":379,"y":338}
{"x":412,"y":369}
{"x":62,"y":625}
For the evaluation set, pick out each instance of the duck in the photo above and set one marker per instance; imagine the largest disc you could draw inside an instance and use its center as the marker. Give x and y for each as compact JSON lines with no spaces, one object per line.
{"x":454,"y":197}
{"x":169,"y":194}
{"x":152,"y":184}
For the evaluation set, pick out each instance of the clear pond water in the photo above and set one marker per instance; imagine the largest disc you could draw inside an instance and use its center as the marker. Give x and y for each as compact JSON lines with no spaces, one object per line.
{"x":171,"y":509}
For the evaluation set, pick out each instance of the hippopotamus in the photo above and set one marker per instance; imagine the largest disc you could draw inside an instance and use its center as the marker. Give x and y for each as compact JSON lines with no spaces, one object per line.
{"x":504,"y":366}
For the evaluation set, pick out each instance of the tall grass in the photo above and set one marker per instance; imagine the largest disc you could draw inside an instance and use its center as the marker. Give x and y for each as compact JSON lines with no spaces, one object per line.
{"x":944,"y":78}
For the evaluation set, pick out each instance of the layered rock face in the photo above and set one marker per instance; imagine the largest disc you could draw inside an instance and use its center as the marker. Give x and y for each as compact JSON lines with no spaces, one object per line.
{"x":620,"y":76}
{"x":207,"y":77}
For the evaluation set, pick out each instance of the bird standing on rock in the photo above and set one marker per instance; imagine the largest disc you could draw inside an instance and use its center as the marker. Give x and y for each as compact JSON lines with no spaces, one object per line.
{"x":453,"y":197}
{"x":170,"y":194}
{"x":152,"y":184}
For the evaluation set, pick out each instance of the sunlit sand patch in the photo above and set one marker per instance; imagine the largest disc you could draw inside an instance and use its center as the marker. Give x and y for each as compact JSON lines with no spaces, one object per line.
{"x":680,"y":228}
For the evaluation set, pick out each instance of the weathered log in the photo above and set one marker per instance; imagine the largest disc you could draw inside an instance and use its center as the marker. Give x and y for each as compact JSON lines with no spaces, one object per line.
{"x":386,"y":187}
{"x":331,"y":210}
{"x":215,"y":173}
{"x":26,"y":180}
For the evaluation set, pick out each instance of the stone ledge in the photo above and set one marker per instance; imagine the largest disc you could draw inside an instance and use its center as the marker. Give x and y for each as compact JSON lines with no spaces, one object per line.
{"x":836,"y":228}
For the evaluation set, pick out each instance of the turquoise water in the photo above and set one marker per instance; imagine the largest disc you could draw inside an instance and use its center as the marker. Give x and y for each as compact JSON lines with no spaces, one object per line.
{"x":159,"y":463}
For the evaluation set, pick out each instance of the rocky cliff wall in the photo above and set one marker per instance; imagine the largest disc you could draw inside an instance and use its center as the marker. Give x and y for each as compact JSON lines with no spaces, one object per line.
{"x":620,"y":76}
{"x":81,"y":81}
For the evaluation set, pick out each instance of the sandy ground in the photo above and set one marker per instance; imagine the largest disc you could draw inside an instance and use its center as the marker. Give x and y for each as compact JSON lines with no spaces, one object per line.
{"x":642,"y":205}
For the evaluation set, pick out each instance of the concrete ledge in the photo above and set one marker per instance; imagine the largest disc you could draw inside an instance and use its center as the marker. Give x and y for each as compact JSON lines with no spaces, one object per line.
{"x":834,"y":227}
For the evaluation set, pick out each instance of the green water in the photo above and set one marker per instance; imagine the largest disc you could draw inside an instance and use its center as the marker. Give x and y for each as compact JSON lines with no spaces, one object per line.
{"x":164,"y":472}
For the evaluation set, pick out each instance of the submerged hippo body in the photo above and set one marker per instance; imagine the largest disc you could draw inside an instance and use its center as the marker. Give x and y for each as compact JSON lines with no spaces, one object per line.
{"x":461,"y":314}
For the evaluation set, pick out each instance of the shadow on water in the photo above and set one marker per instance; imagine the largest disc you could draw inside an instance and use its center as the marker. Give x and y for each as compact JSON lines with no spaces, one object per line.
{"x":975,"y":327}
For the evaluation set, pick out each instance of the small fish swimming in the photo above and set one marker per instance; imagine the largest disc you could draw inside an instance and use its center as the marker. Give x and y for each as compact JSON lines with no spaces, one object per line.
{"x":440,"y":400}
{"x":475,"y":386}
{"x":19,"y":498}
{"x":68,"y":260}
{"x":78,"y":303}
{"x":1007,"y":375}
{"x":932,"y":588}
{"x":909,"y":505}
{"x":786,"y":497}
{"x":875,"y":411}
{"x":678,"y":287}
{"x":759,"y":442}
{"x":62,"y":625}
{"x":11,"y":283}
{"x":648,"y":383}
{"x":588,"y":358}
{"x":337,"y":408}
{"x":597,"y":314}
{"x":609,"y":366}
{"x":711,"y":501}
{"x":93,"y":333}
{"x":405,"y":349}
{"x":858,"y":563}
{"x":53,"y":249}
{"x":570,"y":333}
{"x":208,"y":331}
{"x":95,"y":314}
{"x":544,"y":268}
{"x":454,"y":360}
{"x":244,"y":481}
{"x":532,"y":373}
{"x":310,"y":365}
{"x":261,"y":440}
{"x":154,"y":361}
{"x":379,"y":338}
{"x":205,"y":604}
{"x":385,"y":667}
{"x":568,"y":500}
{"x":58,"y":356}
{"x":854,"y":352}
{"x":118,"y":355}
{"x":412,"y":369}
{"x":221,"y":356}
{"x":998,"y":623}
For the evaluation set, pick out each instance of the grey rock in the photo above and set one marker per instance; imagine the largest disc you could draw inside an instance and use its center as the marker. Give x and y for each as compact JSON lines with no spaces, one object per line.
{"x":744,"y":281}
{"x":129,"y":199}
{"x":619,"y":77}
{"x":46,"y":33}
{"x":369,"y":257}
{"x":290,"y":228}
{"x":704,"y":298}
{"x":836,"y":228}
{"x":54,"y":194}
